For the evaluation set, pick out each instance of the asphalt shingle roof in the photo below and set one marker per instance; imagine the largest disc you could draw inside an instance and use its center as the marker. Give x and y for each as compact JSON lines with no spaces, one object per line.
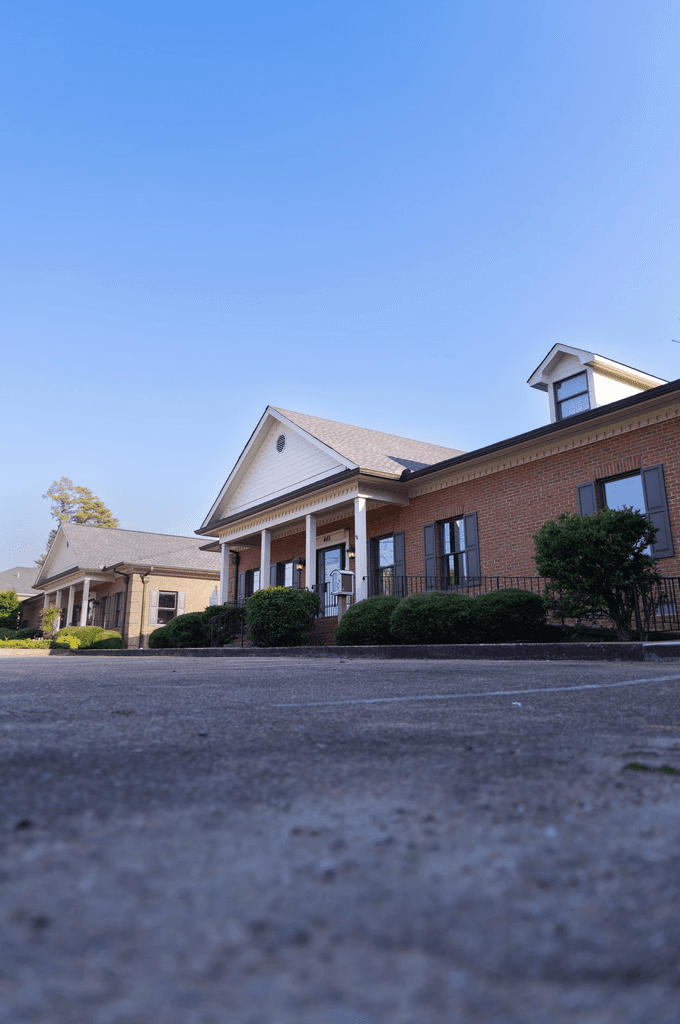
{"x":97,"y":546}
{"x":21,"y":578}
{"x":371,"y":449}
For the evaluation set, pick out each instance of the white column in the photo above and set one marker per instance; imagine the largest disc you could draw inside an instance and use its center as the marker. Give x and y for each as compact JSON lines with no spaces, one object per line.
{"x":71,"y":599}
{"x":265,"y":557}
{"x":224,"y":572}
{"x":57,"y":602}
{"x":46,"y":600}
{"x":310,"y":551}
{"x":85,"y":598}
{"x":361,"y":567}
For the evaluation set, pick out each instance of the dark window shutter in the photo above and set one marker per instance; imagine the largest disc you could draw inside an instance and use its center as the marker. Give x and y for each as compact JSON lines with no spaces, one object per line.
{"x":587,"y":499}
{"x":430,"y":555}
{"x":472,"y":546}
{"x":657,"y":510}
{"x":399,"y":565}
{"x":296,"y":576}
{"x":272,"y":575}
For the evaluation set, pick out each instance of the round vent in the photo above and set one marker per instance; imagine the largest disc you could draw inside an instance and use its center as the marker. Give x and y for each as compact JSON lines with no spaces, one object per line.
{"x":280,"y":442}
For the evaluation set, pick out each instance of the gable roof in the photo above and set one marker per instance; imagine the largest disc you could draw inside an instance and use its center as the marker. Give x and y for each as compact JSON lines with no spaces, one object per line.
{"x":540,"y":378}
{"x":324,"y":449}
{"x":101,"y":547}
{"x":371,"y":450}
{"x":21,"y":578}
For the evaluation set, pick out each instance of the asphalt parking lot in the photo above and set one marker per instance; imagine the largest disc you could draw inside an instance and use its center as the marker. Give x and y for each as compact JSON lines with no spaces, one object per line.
{"x":196,"y":841}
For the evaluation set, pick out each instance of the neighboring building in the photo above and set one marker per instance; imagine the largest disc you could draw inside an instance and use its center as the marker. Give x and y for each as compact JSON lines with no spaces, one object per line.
{"x":21,"y":578}
{"x":123,"y":579}
{"x":308,"y":494}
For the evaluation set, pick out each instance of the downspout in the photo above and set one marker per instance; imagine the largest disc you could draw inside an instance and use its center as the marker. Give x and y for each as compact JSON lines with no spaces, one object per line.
{"x":125,"y":602}
{"x":237,"y":560}
{"x":143,"y":577}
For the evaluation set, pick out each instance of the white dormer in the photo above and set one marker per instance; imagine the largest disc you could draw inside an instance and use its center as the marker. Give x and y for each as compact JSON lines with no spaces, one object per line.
{"x":577,"y":380}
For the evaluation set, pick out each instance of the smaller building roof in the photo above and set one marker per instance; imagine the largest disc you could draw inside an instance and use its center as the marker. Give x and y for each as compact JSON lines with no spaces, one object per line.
{"x":101,"y":547}
{"x":541,"y":377}
{"x":21,"y":578}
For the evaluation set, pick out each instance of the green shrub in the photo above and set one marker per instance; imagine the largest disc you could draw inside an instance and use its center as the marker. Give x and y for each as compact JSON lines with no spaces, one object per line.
{"x":67,"y":642}
{"x":29,"y":633}
{"x":29,"y":645}
{"x":434,"y":618}
{"x":223,"y":623}
{"x":280,"y":617}
{"x":10,"y":607}
{"x":507,"y":616}
{"x":8,"y":634}
{"x":88,"y":635}
{"x":367,"y":622}
{"x":107,"y":643}
{"x":183,"y":631}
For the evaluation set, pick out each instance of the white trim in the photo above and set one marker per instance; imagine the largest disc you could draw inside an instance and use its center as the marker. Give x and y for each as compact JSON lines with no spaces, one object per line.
{"x":310,"y":551}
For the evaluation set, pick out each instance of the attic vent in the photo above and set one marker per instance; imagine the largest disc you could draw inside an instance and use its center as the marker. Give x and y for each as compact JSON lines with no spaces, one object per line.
{"x":280,"y":442}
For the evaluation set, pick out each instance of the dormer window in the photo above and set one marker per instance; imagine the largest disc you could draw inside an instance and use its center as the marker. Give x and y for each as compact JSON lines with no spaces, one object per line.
{"x":571,"y":396}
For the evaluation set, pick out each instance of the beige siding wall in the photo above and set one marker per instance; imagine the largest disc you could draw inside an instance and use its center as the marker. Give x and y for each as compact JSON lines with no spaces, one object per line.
{"x":197,"y":590}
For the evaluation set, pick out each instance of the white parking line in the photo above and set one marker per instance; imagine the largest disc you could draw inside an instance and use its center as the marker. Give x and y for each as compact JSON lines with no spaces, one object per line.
{"x":487,"y":693}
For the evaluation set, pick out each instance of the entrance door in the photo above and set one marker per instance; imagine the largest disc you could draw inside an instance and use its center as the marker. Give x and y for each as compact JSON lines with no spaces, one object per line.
{"x":326,"y":561}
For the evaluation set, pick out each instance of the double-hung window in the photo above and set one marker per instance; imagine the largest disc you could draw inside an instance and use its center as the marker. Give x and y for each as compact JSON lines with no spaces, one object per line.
{"x":453,"y":547}
{"x":644,"y":490}
{"x":571,"y":396}
{"x":388,"y":565}
{"x":451,"y":553}
{"x":167,"y":606}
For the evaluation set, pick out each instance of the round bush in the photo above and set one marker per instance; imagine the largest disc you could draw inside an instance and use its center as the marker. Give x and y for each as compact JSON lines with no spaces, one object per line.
{"x":183,"y":631}
{"x":367,"y":622}
{"x":223,"y":623}
{"x":107,"y":643}
{"x":88,"y":635}
{"x":507,"y":616}
{"x":280,"y":617}
{"x":434,"y":618}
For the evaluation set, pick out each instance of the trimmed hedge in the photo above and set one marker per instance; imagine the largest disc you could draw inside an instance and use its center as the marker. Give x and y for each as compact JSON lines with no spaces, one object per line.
{"x":227,"y":625}
{"x":281,"y":617}
{"x":29,"y":645}
{"x":507,"y":616}
{"x":436,"y":618}
{"x":91,"y":636}
{"x":183,"y":631}
{"x":368,"y":622}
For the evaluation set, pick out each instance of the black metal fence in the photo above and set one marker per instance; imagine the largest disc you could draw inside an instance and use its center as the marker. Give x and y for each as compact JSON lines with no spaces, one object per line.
{"x":655,"y":607}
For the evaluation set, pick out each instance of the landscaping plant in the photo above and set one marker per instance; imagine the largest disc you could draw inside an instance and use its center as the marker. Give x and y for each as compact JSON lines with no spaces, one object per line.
{"x":435,"y":618}
{"x":507,"y":616}
{"x":280,"y":617}
{"x":598,"y":563}
{"x":368,"y":622}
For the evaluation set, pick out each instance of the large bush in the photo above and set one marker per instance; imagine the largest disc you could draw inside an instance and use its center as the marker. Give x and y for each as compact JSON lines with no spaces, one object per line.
{"x":434,"y":618}
{"x":9,"y":609}
{"x":507,"y":616}
{"x":597,"y":563}
{"x":91,"y":636}
{"x":28,"y":645}
{"x":183,"y":631}
{"x":223,"y":623}
{"x":280,"y":617}
{"x":367,"y":622}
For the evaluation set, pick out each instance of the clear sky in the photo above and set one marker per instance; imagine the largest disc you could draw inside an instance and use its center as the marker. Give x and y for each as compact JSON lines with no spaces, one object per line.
{"x":384,"y":213}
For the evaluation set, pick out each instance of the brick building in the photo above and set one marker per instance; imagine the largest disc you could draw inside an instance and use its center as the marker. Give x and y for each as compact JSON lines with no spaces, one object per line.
{"x":125,"y":580}
{"x":308,"y":495}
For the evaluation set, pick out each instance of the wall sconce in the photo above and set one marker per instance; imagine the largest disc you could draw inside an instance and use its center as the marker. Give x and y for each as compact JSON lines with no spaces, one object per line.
{"x":351,"y":553}
{"x":299,"y":564}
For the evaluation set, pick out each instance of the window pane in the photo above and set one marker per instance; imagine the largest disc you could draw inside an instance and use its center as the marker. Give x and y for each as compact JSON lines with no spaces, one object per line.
{"x":627,"y":491}
{"x":454,"y":536}
{"x":386,"y":551}
{"x":256,"y":580}
{"x":567,"y":388}
{"x":447,"y":538}
{"x":288,"y":574}
{"x":167,"y":599}
{"x":573,"y":405}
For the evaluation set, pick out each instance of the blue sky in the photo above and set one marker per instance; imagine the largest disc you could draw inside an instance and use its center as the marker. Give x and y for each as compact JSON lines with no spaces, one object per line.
{"x":384,"y":213}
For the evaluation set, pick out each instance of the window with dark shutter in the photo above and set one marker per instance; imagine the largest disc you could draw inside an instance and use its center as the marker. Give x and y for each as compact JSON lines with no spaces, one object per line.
{"x":430,"y":555}
{"x":657,"y":510}
{"x":587,"y":499}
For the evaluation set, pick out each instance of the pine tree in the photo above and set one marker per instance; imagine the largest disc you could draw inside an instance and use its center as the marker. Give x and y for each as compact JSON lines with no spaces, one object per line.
{"x":72,"y":504}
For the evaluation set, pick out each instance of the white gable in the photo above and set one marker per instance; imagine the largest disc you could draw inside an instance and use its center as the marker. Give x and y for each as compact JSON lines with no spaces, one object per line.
{"x":270,"y":473}
{"x":60,"y":557}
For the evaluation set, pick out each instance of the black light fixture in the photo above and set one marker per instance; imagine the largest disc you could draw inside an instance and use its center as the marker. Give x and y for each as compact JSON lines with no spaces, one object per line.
{"x":299,"y":564}
{"x":351,"y":553}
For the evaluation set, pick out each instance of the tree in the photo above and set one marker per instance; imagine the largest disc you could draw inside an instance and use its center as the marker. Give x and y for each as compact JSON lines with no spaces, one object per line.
{"x":598,"y":563}
{"x":72,"y":504}
{"x":9,"y":609}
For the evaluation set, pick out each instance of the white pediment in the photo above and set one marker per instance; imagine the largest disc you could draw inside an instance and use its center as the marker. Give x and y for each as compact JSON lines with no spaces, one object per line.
{"x":60,"y":557}
{"x":272,"y":468}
